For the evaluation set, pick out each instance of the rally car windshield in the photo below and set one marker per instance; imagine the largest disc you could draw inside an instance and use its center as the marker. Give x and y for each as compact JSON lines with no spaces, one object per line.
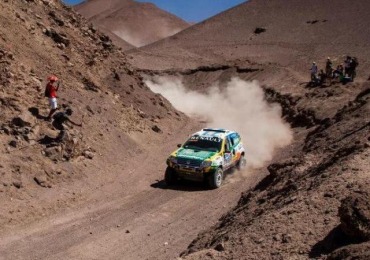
{"x":204,"y":143}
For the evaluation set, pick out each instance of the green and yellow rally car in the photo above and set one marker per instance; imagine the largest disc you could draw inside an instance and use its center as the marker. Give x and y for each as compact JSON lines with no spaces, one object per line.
{"x":205,"y":156}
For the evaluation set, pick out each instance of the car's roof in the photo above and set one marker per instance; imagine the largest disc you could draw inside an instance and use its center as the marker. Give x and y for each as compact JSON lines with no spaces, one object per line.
{"x":214,"y":132}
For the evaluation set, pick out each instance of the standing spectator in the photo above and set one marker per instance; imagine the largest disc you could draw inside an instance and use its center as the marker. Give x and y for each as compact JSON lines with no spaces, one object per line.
{"x":322,"y":77}
{"x":314,"y":72}
{"x":347,"y":65}
{"x":329,"y":68}
{"x":51,"y":93}
{"x":353,"y":65}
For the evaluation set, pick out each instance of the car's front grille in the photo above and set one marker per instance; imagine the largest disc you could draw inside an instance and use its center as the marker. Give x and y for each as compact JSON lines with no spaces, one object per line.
{"x":189,"y":162}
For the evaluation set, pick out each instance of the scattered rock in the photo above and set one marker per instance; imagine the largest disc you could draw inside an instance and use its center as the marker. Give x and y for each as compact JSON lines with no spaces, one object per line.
{"x":116,"y":76}
{"x":259,"y":30}
{"x":59,"y":172}
{"x":312,"y":22}
{"x":277,"y":237}
{"x":107,"y":45}
{"x":23,"y":120}
{"x":17,"y":184}
{"x":88,"y":108}
{"x":88,"y":154}
{"x":127,"y":231}
{"x":90,"y":85}
{"x":287,"y":238}
{"x":52,"y":152}
{"x":13,"y":143}
{"x":156,"y":129}
{"x":42,"y":181}
{"x":57,"y":37}
{"x":220,"y":247}
{"x":6,"y":130}
{"x":58,"y":21}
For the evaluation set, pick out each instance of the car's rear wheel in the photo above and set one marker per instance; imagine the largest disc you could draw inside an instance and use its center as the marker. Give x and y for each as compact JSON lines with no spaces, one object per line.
{"x":216,"y":178}
{"x":170,"y":176}
{"x":242,"y":163}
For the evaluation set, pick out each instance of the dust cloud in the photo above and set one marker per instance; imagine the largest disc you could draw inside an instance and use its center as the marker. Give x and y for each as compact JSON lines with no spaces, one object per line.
{"x":240,"y":106}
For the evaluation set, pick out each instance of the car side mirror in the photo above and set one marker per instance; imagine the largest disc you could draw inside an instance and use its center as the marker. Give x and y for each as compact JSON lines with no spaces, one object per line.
{"x":178,"y":145}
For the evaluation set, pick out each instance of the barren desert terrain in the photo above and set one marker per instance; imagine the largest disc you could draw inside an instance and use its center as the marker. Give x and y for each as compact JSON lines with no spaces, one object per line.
{"x":101,"y":194}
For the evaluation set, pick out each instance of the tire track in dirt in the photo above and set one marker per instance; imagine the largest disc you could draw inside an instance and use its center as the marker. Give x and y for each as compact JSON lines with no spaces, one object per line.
{"x":153,"y":224}
{"x":133,"y":216}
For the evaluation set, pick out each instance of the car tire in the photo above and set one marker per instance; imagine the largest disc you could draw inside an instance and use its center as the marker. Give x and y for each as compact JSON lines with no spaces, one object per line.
{"x":216,"y":178}
{"x":242,"y":163}
{"x":170,"y":176}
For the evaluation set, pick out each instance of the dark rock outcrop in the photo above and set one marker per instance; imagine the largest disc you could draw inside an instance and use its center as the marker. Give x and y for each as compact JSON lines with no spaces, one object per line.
{"x":354,"y":214}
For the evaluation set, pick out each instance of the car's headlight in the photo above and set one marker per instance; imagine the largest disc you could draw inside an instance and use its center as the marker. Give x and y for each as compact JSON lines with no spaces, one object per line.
{"x":206,"y":164}
{"x":172,"y":159}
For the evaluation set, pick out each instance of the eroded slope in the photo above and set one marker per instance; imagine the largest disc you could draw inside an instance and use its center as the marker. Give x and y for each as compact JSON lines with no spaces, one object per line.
{"x":118,"y":112}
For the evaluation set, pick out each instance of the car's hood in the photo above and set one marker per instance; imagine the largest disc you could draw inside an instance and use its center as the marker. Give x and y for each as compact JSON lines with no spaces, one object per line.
{"x":194,"y":154}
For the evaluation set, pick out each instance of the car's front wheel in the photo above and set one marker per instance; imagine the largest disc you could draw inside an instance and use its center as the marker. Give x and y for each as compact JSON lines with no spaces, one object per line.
{"x":170,"y":176}
{"x":216,"y":178}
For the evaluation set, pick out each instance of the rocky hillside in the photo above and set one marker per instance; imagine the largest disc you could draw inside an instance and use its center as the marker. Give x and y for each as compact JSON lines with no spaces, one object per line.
{"x":288,"y":33}
{"x":137,"y":23}
{"x":313,"y":203}
{"x":43,"y":37}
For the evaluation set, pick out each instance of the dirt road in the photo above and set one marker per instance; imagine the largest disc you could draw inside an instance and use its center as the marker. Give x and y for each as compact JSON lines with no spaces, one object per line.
{"x":134,"y":217}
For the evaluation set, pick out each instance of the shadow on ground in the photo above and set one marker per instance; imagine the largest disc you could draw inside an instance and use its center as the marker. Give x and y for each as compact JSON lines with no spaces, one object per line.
{"x":182,"y":185}
{"x":334,"y":240}
{"x":35,"y":112}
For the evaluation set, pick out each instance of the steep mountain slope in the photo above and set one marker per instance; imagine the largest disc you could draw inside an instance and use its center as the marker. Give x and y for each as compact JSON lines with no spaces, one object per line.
{"x":289,"y":33}
{"x":39,"y":38}
{"x":136,"y":23}
{"x":103,"y":195}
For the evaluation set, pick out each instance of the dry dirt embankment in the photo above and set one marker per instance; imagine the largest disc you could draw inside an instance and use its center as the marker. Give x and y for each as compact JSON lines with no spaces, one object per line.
{"x":104,"y":196}
{"x":107,"y":199}
{"x":295,"y":211}
{"x":118,"y":112}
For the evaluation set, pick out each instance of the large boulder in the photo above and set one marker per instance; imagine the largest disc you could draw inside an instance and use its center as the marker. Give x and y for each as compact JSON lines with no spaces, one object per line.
{"x":359,"y":252}
{"x":354,"y":213}
{"x":25,"y":118}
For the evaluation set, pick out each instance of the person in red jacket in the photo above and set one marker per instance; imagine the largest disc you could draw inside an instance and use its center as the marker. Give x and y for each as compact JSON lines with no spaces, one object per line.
{"x":51,"y":93}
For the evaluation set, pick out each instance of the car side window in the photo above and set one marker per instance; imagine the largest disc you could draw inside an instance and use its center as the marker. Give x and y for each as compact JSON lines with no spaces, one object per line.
{"x":235,"y":139}
{"x":231,"y":140}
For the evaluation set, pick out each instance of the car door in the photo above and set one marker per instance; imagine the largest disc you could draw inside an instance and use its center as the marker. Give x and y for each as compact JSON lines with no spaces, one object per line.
{"x":235,"y":141}
{"x":228,"y":153}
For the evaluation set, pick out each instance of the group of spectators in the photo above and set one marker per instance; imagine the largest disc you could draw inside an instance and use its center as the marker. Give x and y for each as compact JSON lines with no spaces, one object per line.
{"x":345,"y":72}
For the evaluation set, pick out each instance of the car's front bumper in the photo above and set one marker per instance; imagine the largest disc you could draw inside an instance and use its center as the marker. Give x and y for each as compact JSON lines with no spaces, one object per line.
{"x":191,"y":173}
